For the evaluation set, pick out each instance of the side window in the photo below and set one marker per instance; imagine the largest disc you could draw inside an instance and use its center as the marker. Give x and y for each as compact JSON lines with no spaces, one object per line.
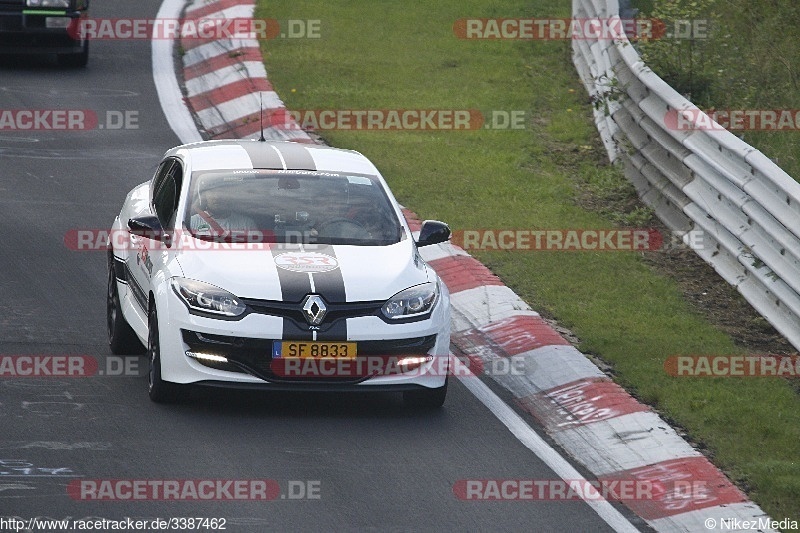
{"x":161,"y":175}
{"x":166,"y":192}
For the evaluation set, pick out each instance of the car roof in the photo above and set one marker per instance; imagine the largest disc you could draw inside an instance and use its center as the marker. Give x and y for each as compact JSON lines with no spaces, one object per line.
{"x":277,"y":155}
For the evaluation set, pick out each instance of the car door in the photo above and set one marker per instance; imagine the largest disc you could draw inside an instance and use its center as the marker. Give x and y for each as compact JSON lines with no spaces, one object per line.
{"x":165,"y":207}
{"x":149,"y":253}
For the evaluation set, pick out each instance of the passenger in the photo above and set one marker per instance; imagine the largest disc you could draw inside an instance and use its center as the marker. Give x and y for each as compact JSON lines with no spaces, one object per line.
{"x":215,"y":216}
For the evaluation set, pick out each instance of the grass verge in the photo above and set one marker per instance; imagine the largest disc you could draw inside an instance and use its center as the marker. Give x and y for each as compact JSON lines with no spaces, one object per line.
{"x":401,"y":55}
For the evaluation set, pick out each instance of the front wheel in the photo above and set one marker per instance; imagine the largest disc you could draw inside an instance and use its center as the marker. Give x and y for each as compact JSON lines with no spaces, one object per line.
{"x":425,"y":398}
{"x":160,"y":391}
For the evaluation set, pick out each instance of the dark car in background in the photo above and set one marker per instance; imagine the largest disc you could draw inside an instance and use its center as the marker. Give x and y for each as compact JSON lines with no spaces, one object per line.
{"x":44,"y":27}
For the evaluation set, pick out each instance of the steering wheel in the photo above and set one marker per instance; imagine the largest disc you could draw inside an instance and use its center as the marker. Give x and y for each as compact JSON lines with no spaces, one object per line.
{"x":343,"y":228}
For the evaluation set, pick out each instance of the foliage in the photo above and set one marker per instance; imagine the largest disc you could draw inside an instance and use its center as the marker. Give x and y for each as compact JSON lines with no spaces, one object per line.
{"x":682,"y":49}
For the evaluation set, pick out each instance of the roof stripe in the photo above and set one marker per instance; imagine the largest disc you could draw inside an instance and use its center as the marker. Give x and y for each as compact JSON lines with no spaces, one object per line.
{"x":263,"y":155}
{"x":297,"y":157}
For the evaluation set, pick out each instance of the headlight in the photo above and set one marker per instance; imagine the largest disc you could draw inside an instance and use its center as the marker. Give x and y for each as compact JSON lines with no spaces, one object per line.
{"x":411,"y":302}
{"x":47,"y":3}
{"x":207,"y":298}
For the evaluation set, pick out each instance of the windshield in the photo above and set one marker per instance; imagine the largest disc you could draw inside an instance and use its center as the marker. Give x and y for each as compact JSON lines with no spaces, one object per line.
{"x":290,"y":207}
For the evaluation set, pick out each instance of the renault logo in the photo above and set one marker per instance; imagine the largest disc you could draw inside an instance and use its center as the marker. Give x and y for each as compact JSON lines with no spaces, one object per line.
{"x":314,"y":309}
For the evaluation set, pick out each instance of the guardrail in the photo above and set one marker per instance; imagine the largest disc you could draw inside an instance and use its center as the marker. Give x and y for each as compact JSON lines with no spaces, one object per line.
{"x":707,"y":180}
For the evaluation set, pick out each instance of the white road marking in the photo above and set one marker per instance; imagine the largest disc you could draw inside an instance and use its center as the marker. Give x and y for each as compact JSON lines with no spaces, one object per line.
{"x":169,"y":93}
{"x":528,"y":437}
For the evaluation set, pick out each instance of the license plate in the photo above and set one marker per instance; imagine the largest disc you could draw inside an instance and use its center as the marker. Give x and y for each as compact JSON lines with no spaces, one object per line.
{"x":313,"y":350}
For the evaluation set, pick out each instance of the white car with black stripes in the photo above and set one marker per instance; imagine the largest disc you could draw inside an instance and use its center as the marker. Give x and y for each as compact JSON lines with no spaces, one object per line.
{"x":276,"y":265}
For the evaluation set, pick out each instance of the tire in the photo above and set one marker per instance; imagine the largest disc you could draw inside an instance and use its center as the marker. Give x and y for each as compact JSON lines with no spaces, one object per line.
{"x":160,"y":391}
{"x":79,"y":60}
{"x":121,"y":337}
{"x":425,"y":399}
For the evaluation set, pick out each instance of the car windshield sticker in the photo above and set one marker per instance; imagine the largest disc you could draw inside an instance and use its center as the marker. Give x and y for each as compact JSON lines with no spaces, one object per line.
{"x":306,"y":262}
{"x":359,"y":180}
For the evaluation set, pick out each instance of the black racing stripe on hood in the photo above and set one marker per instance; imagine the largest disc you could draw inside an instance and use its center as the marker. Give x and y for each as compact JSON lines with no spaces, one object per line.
{"x":291,"y":331}
{"x":263,"y":155}
{"x":294,"y":285}
{"x":337,"y":332}
{"x":296,"y":156}
{"x":330,"y":284}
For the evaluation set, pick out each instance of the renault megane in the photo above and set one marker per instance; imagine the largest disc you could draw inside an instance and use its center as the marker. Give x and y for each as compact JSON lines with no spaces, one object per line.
{"x":276,"y":265}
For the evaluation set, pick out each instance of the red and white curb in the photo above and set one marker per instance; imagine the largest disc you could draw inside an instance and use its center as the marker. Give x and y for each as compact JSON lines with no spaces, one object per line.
{"x":593,"y":419}
{"x":226,"y":83}
{"x":596,"y":421}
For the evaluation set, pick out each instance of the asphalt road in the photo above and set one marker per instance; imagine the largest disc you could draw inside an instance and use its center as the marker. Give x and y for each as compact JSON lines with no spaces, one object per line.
{"x":373,"y":464}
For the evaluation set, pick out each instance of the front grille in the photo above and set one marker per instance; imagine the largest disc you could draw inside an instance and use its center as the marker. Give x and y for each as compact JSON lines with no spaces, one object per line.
{"x":294,"y":311}
{"x":254,"y":356}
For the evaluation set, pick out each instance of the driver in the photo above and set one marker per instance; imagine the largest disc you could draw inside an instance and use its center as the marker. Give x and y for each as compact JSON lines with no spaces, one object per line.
{"x":214,"y":214}
{"x":333,"y":222}
{"x":363,"y":212}
{"x":349,"y":213}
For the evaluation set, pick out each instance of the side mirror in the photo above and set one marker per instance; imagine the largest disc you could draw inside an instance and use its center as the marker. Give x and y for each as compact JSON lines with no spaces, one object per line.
{"x":149,"y":227}
{"x":433,"y":232}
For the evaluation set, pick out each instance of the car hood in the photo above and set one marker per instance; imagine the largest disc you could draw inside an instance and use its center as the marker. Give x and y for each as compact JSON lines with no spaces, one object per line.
{"x":286,"y":272}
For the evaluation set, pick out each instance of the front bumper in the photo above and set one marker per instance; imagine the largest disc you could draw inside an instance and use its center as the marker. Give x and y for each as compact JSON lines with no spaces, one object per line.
{"x":246,"y":346}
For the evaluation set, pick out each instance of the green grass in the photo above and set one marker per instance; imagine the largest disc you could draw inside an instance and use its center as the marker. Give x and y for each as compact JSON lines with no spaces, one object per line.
{"x":381,"y":54}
